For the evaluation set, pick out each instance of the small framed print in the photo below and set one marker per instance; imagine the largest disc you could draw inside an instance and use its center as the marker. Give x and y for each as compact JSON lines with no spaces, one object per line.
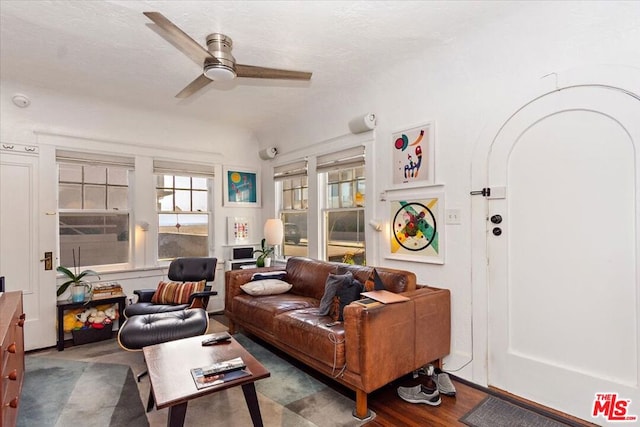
{"x":416,"y":228}
{"x":414,"y":156}
{"x":241,"y":187}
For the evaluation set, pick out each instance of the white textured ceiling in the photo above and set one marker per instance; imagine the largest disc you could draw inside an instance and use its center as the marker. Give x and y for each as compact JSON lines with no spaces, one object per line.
{"x":108,"y":49}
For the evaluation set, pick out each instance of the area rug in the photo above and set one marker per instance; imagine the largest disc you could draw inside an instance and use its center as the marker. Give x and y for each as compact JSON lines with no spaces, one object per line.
{"x":67,"y":388}
{"x":58,"y":392}
{"x":495,"y":412}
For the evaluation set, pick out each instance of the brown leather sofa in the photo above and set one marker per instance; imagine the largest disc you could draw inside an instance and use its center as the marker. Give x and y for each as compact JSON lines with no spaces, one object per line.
{"x":372,"y":347}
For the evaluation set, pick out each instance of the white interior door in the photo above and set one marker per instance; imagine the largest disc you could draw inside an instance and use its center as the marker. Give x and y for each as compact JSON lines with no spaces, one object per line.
{"x":563,"y":273}
{"x":20,"y":243}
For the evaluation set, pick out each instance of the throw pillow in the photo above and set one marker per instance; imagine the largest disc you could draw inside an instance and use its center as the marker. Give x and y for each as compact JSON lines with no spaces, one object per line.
{"x":266,"y":287}
{"x":348,"y":293}
{"x":374,"y":283}
{"x":333,"y":283}
{"x":176,"y":293}
{"x":269,"y":275}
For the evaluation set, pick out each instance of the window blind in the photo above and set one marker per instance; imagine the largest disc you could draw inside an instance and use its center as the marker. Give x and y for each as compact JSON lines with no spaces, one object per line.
{"x":169,"y":167}
{"x":352,"y":157}
{"x":290,"y":170}
{"x":78,"y":157}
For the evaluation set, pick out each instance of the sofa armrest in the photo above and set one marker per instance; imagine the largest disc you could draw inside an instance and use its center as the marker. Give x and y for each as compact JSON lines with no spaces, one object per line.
{"x":386,"y":342}
{"x":433,"y":323}
{"x":380,"y":342}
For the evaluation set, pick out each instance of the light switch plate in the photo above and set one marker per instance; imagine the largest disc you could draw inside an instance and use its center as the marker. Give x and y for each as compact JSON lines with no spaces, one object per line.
{"x":453,"y":217}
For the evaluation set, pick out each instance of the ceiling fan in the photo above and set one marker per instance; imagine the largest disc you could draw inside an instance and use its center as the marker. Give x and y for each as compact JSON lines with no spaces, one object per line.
{"x":218,"y":62}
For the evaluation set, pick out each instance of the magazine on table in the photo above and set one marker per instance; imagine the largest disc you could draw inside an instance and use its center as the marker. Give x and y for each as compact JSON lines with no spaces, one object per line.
{"x":219,"y":373}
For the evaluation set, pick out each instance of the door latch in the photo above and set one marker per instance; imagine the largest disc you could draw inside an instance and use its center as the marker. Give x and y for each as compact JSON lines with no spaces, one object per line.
{"x":48,"y":260}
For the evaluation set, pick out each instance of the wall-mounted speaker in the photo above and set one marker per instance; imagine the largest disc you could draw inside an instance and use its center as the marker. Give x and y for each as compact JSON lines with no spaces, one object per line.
{"x":362,"y":124}
{"x":268,"y":153}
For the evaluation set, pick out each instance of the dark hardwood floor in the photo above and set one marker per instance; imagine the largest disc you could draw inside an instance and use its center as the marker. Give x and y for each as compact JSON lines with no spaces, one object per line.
{"x":392,"y":411}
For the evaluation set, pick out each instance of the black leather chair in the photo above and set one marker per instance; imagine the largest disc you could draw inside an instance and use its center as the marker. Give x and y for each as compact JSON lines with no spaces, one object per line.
{"x":148,"y":323}
{"x":180,"y":270}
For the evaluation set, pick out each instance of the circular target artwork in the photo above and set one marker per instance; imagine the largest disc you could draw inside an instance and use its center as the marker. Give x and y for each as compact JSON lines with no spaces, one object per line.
{"x":416,"y":229}
{"x":414,"y":226}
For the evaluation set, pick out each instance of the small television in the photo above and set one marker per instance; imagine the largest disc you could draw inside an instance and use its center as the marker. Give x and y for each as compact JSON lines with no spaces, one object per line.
{"x":243,"y":252}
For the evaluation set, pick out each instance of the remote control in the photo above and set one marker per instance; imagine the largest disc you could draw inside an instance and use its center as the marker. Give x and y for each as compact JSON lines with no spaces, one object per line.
{"x":223,"y":337}
{"x":214,"y":341}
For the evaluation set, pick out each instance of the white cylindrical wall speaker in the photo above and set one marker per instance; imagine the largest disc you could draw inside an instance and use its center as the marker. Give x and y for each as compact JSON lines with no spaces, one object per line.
{"x":363,"y":123}
{"x":268,"y":153}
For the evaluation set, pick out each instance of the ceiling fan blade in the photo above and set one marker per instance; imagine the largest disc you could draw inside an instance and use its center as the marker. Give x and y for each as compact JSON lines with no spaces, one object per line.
{"x":200,"y":82}
{"x":179,"y":38}
{"x":270,"y":73}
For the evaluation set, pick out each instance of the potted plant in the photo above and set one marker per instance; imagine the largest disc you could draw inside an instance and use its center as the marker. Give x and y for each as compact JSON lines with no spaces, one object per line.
{"x":78,"y":285}
{"x":264,"y":254}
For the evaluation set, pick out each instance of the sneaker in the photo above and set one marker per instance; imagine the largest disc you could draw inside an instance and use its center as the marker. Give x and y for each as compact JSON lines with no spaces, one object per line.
{"x":419,"y":394}
{"x":443,"y":382}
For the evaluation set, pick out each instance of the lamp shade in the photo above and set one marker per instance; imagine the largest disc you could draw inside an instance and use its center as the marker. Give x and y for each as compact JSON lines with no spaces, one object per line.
{"x":274,"y":231}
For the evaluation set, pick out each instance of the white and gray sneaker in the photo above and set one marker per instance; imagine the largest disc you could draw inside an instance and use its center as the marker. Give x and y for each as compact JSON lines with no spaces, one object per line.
{"x":419,"y":394}
{"x":443,"y":382}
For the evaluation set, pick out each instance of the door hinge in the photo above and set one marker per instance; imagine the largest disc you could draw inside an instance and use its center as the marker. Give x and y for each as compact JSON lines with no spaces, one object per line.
{"x":485,"y":192}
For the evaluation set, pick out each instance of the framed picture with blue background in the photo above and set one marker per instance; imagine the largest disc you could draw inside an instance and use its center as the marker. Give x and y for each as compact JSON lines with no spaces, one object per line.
{"x":241,"y":187}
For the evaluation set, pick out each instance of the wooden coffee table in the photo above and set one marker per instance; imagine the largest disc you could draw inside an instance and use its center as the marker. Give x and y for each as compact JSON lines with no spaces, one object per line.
{"x":172,"y":385}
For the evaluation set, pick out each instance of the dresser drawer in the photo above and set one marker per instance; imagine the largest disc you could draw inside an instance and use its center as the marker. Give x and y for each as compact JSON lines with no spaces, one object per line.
{"x":11,"y":356}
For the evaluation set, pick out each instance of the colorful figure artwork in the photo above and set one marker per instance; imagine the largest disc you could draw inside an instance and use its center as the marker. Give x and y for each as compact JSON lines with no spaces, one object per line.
{"x":412,"y":156}
{"x":241,"y":187}
{"x":416,"y":229}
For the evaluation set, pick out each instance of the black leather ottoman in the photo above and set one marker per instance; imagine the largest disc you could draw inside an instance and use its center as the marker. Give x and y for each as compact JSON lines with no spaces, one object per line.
{"x":148,"y":329}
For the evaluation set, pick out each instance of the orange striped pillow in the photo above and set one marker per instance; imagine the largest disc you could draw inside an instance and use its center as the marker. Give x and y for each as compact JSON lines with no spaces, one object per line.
{"x":176,"y":293}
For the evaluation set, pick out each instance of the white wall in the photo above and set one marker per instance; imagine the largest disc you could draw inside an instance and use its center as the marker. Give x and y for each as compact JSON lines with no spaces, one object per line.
{"x":56,"y":120}
{"x":470,"y":83}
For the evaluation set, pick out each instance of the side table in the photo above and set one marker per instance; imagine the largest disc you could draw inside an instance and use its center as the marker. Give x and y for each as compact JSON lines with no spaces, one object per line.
{"x":68,"y":305}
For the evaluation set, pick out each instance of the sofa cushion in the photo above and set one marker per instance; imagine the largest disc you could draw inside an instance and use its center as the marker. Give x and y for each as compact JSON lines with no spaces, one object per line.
{"x":282,"y":275}
{"x":306,"y":331}
{"x":176,"y":293}
{"x":260,"y":311}
{"x":266,"y":287}
{"x":333,"y":283}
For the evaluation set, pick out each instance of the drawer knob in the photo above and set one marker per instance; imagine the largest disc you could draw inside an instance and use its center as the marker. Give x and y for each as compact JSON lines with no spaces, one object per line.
{"x":12,"y":348}
{"x":23,"y":316}
{"x":20,"y":323}
{"x":13,"y":375}
{"x":13,"y":403}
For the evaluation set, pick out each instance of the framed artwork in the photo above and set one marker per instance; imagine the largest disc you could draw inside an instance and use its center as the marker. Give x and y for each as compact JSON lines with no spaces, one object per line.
{"x":414,"y":156}
{"x":239,"y":230}
{"x":241,"y":187}
{"x":416,"y":228}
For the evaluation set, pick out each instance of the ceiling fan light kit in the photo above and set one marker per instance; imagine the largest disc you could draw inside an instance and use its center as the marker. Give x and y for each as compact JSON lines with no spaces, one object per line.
{"x":218,"y":62}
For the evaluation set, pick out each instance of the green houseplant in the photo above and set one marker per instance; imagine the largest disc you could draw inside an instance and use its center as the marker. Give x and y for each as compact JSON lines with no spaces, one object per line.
{"x":75,"y":278}
{"x":264,"y":253}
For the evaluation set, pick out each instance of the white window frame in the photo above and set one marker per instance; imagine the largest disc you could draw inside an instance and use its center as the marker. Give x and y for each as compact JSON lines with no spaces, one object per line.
{"x":92,"y":159}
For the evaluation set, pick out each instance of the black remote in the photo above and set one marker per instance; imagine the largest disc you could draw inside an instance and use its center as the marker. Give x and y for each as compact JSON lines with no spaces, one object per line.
{"x":214,"y":341}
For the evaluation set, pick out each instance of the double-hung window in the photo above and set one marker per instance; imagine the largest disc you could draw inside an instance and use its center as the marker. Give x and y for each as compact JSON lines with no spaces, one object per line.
{"x":93,"y":205}
{"x":344,"y":227}
{"x":293,"y":183}
{"x":183,"y":196}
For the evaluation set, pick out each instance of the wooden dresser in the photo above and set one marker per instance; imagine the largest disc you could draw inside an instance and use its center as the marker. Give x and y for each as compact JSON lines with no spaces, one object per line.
{"x":11,"y":356}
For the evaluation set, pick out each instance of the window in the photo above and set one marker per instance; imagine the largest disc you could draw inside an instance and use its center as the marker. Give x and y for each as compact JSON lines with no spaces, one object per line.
{"x":183,"y":216}
{"x":344,"y":175}
{"x":93,"y":204}
{"x":294,"y":189}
